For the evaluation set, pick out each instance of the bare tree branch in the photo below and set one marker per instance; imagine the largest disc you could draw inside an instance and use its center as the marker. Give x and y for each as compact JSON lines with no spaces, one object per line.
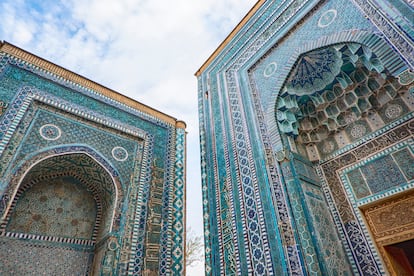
{"x":194,"y":248}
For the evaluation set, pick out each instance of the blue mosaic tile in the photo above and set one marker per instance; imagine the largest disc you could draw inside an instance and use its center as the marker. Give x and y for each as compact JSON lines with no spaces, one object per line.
{"x":382,"y":174}
{"x":405,"y":160}
{"x":358,"y":183}
{"x":45,"y":118}
{"x":242,"y":146}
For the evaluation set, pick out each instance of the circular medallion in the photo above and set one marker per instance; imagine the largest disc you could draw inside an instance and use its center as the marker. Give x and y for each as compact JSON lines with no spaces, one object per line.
{"x":50,"y":132}
{"x":112,"y":244}
{"x":358,"y":131}
{"x":119,"y":154}
{"x":270,"y":69}
{"x":327,"y":18}
{"x":393,"y":111}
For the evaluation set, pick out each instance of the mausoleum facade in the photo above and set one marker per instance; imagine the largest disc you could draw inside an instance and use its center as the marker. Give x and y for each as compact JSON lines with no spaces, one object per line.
{"x":91,"y":181}
{"x":307,"y":153}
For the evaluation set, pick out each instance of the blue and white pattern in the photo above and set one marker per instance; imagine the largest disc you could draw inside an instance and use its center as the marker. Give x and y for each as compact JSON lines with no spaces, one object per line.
{"x":253,"y":177}
{"x":44,"y":115}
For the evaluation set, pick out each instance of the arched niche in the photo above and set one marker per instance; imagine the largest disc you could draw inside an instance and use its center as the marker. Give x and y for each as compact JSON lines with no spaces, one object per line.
{"x":63,"y":207}
{"x":336,"y":95}
{"x":346,"y":118}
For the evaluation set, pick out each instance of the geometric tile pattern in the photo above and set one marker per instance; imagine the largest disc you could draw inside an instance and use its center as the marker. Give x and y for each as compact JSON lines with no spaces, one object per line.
{"x":178,"y":243}
{"x":167,"y":208}
{"x":208,"y":250}
{"x":382,"y":174}
{"x":238,"y":91}
{"x":329,"y":244}
{"x":347,"y":214}
{"x":278,"y":195}
{"x":23,"y":257}
{"x":56,"y":130}
{"x":136,"y":262}
{"x":80,"y":170}
{"x":77,"y":132}
{"x":315,"y":227}
{"x":302,"y":228}
{"x":58,"y":207}
{"x":261,"y":263}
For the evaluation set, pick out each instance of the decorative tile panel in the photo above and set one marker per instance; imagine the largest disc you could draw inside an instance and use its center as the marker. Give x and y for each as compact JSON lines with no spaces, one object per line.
{"x":45,"y":118}
{"x":178,"y":227}
{"x":239,"y":89}
{"x":358,"y":183}
{"x":405,"y":161}
{"x":382,"y":174}
{"x":30,"y":258}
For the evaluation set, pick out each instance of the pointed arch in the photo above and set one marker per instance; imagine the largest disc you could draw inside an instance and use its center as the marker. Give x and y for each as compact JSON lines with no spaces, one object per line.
{"x":387,"y":55}
{"x":79,"y":161}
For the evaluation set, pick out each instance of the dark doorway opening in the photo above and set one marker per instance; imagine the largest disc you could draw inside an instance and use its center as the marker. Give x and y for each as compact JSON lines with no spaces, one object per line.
{"x":402,"y":256}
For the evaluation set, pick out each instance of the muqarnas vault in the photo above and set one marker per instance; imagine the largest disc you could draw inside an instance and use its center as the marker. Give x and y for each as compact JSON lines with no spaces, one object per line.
{"x":306,"y":126}
{"x":91,"y":182}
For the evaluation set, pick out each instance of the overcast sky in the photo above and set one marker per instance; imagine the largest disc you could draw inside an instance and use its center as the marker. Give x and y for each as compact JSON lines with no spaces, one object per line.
{"x":148,"y":50}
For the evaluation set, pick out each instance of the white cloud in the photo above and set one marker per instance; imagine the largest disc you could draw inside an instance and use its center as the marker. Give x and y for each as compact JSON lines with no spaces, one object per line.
{"x":147,"y":50}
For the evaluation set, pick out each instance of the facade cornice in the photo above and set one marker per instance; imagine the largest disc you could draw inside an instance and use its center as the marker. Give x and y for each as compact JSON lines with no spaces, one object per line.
{"x":227,"y":40}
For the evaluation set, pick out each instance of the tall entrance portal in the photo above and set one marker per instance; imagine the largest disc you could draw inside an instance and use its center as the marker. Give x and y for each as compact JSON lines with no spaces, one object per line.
{"x":331,"y":113}
{"x":306,"y":127}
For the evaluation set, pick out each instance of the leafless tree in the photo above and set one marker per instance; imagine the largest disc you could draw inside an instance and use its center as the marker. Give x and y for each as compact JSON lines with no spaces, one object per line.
{"x":194,"y":248}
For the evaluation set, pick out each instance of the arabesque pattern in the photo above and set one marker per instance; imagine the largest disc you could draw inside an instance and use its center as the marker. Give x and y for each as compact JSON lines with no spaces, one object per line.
{"x":320,"y":81}
{"x":53,"y":128}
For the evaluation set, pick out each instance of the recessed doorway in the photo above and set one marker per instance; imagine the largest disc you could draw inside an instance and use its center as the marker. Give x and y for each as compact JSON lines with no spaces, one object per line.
{"x":402,"y":257}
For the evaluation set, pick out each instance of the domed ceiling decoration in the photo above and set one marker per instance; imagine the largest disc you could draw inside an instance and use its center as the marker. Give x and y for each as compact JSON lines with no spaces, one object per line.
{"x":314,"y":71}
{"x":65,"y":184}
{"x":330,"y":89}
